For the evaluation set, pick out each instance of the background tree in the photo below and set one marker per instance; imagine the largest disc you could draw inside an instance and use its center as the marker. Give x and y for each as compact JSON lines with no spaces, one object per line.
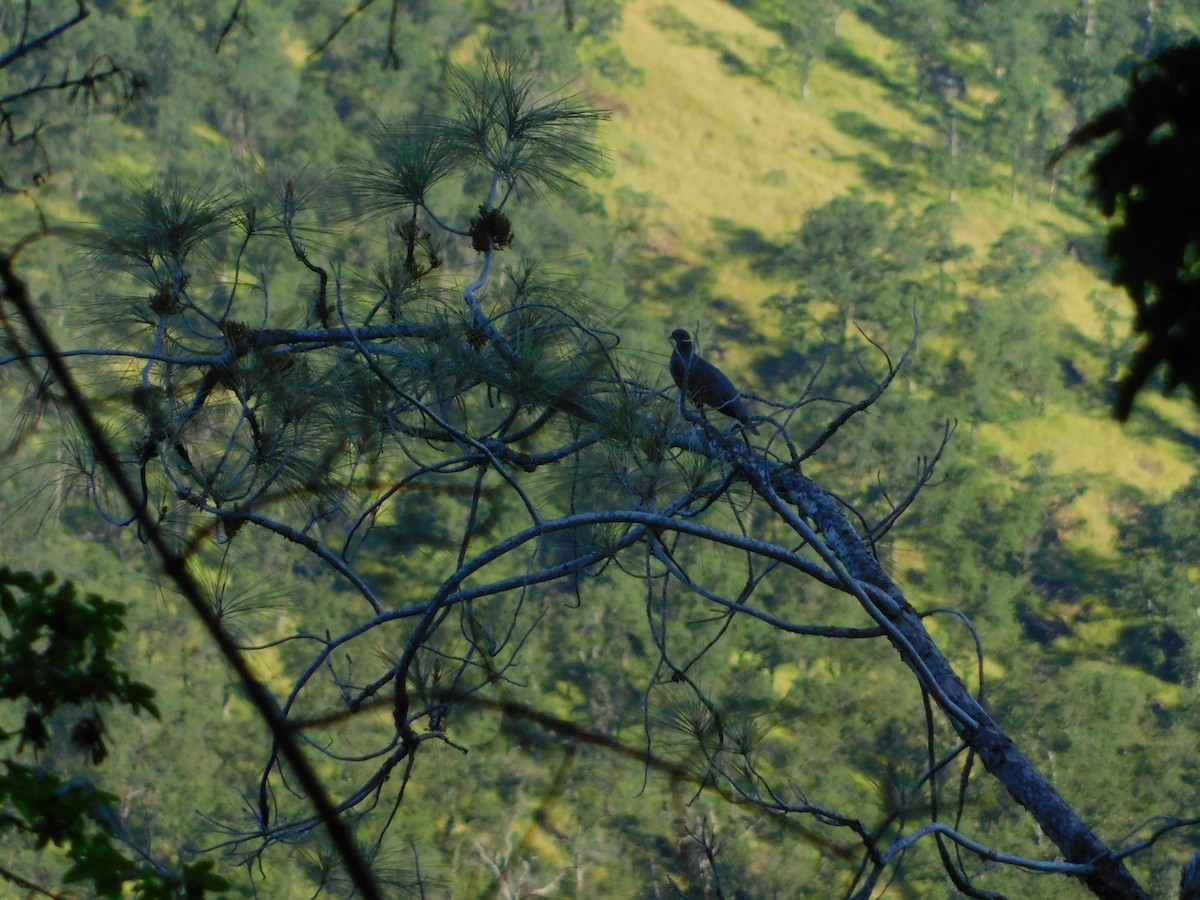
{"x":1007,"y":356}
{"x":806,"y":31}
{"x":1021,"y":75}
{"x":59,"y":674}
{"x":36,"y":81}
{"x":862,"y":263}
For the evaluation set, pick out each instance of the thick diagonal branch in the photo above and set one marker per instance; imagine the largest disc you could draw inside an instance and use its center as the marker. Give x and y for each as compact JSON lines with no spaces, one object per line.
{"x":1105,"y":876}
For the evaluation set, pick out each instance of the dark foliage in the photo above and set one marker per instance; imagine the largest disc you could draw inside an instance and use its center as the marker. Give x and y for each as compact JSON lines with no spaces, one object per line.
{"x":57,"y":648}
{"x":1145,"y":180}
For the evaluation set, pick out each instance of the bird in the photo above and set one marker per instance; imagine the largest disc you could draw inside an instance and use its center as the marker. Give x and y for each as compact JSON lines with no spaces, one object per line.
{"x":1189,"y":879}
{"x":703,"y":383}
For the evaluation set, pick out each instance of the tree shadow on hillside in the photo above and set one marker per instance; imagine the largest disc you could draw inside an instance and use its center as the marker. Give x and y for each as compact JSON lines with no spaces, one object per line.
{"x":790,"y":367}
{"x":651,"y":274}
{"x":731,"y":322}
{"x":1100,"y":392}
{"x":763,"y":254}
{"x":1087,"y":248}
{"x":671,"y":21}
{"x":906,"y":171}
{"x":1147,"y":424}
{"x":1066,"y":586}
{"x":886,"y":178}
{"x":1073,"y":587}
{"x":769,"y":258}
{"x":845,"y":58}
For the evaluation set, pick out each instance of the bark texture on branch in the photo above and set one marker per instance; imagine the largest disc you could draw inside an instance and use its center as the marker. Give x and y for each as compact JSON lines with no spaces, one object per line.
{"x":1108,"y":878}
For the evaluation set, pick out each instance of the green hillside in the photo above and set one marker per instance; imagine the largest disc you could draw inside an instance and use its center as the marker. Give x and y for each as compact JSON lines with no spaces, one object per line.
{"x":790,"y":180}
{"x":708,"y":148}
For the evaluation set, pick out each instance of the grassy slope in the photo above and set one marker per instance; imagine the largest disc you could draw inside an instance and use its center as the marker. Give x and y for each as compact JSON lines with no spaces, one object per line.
{"x":705,"y":142}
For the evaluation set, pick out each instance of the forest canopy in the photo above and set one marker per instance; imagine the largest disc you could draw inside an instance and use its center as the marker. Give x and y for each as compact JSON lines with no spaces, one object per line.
{"x":336,"y":350}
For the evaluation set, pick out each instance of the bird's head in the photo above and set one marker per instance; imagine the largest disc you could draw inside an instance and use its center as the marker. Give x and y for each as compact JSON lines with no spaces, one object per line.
{"x":682,"y":339}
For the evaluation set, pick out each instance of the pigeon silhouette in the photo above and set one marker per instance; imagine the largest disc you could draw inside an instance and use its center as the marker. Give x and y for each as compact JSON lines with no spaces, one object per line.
{"x":703,"y":383}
